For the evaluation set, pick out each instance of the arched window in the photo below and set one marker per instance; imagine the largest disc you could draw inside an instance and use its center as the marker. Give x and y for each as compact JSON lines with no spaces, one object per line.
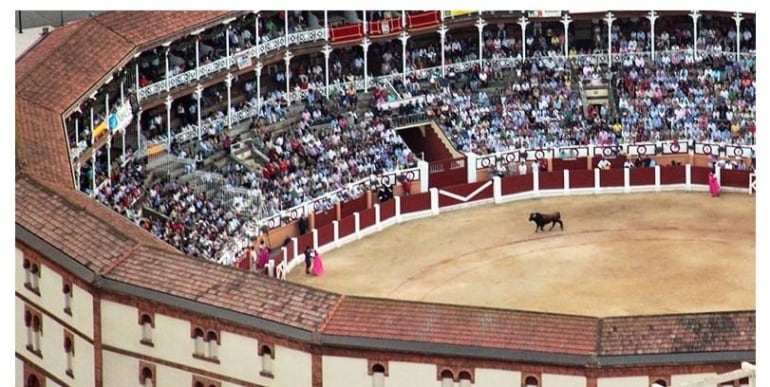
{"x":146,"y":322}
{"x":660,"y":383}
{"x":32,"y":381}
{"x":67,"y":290}
{"x":378,"y":375}
{"x":267,"y":361}
{"x":28,"y":324}
{"x":198,"y":337}
{"x":531,"y":381}
{"x":447,"y":378}
{"x":465,"y":379}
{"x":213,"y":346}
{"x":35,"y":278}
{"x":147,"y":377}
{"x":69,"y":352}
{"x":37,"y":329}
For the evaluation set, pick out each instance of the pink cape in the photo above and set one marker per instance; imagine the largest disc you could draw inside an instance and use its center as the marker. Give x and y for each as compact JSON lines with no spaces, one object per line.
{"x":318,"y":265}
{"x":264,"y":256}
{"x":714,"y":185}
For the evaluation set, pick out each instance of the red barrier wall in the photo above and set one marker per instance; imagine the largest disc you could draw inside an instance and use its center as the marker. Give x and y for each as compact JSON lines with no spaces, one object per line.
{"x":516,"y":184}
{"x":464,"y":190}
{"x":561,"y":164}
{"x":347,"y":226}
{"x":734,"y":178}
{"x":672,"y":175}
{"x":414,"y":203}
{"x":356,"y":205}
{"x":366,"y":218}
{"x":700,"y":175}
{"x":581,"y":179}
{"x":552,"y":180}
{"x":346,"y":32}
{"x":611,"y":178}
{"x":325,"y":235}
{"x":324,"y":218}
{"x":387,"y":210}
{"x":642,"y":176}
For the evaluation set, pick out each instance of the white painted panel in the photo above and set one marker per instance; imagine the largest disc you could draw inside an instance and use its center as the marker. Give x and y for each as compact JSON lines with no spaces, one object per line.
{"x":626,"y":381}
{"x":497,"y":378}
{"x":120,"y":370}
{"x":290,"y":368}
{"x":677,"y":380}
{"x":346,"y":371}
{"x":552,"y":380}
{"x":238,"y":356}
{"x":411,"y":374}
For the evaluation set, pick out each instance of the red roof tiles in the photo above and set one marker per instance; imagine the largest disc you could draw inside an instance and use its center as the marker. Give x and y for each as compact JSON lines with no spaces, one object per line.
{"x":460,"y":325}
{"x":143,"y":28}
{"x":680,"y":333}
{"x":41,"y":146}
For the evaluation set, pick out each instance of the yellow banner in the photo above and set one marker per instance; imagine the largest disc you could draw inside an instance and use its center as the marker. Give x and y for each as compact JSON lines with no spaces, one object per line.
{"x":99,"y":129}
{"x":459,"y":13}
{"x":155,"y":149}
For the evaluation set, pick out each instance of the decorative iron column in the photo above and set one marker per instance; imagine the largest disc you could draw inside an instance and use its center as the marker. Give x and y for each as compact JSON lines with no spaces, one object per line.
{"x":566,"y":20}
{"x":609,"y":18}
{"x":695,"y":15}
{"x":652,"y":15}
{"x":480,"y":24}
{"x":199,"y":97}
{"x":404,"y":38}
{"x":327,"y":50}
{"x":737,"y":16}
{"x":523,"y":23}
{"x":229,"y":85}
{"x":442,"y":30}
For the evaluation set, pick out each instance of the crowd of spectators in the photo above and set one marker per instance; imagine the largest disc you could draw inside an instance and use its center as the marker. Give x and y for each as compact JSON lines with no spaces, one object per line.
{"x":674,"y":97}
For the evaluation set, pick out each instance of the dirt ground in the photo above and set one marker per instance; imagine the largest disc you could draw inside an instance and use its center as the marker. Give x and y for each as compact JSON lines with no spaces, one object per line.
{"x":623,"y":254}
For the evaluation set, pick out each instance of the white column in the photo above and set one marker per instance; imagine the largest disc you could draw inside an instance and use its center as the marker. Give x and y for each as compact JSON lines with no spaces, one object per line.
{"x":377,"y":217}
{"x":139,"y":128}
{"x":327,"y":50}
{"x":397,"y":199}
{"x":403,"y":19}
{"x":471,"y":167}
{"x":566,"y":181}
{"x":434,"y":207}
{"x":336,"y":229}
{"x":168,"y":84}
{"x":404,"y":37}
{"x":737,"y":16}
{"x":652,"y":15}
{"x":258,"y":70}
{"x":424,"y":173}
{"x":523,"y":23}
{"x":287,"y":58}
{"x":168,"y":122}
{"x":657,"y":178}
{"x":366,"y":27}
{"x":227,"y":44}
{"x":536,"y":180}
{"x":108,"y":133}
{"x":256,"y":32}
{"x":315,"y":238}
{"x":365,"y":45}
{"x":136,"y":81}
{"x":694,"y":15}
{"x":566,"y":20}
{"x":688,"y":176}
{"x":77,"y":129}
{"x":229,"y":84}
{"x":627,"y":179}
{"x":93,"y":136}
{"x":597,"y":180}
{"x":123,"y":146}
{"x":497,"y":189}
{"x":77,"y":176}
{"x":326,"y":21}
{"x":442,"y":30}
{"x":93,"y":174}
{"x":357,"y":222}
{"x":609,"y":18}
{"x":286,"y":28}
{"x":480,"y":24}
{"x":197,"y":57}
{"x":199,"y":94}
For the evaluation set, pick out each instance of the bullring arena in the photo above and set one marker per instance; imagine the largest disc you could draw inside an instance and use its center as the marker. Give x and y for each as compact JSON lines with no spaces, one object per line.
{"x":621,"y":254}
{"x":172,"y":167}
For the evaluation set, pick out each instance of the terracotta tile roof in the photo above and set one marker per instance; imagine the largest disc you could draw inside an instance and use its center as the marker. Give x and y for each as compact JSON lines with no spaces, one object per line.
{"x":65,"y":65}
{"x":682,"y":333}
{"x":146,"y":27}
{"x":78,"y":225}
{"x":41,"y":145}
{"x":460,"y":325}
{"x":226,"y":287}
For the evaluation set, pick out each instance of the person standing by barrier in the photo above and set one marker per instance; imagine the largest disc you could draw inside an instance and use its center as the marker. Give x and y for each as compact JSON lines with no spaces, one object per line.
{"x":714,"y":185}
{"x":308,"y":258}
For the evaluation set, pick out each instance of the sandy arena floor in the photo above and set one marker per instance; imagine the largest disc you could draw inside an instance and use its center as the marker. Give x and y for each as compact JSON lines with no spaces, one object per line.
{"x":618,"y":254}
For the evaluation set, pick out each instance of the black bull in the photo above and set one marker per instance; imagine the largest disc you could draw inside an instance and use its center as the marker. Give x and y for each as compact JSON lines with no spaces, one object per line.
{"x":543,"y":219}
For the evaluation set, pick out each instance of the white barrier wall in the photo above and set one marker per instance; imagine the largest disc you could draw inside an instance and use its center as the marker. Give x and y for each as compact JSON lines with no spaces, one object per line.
{"x":627,"y":381}
{"x":497,"y":378}
{"x":551,"y":380}
{"x":346,"y":371}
